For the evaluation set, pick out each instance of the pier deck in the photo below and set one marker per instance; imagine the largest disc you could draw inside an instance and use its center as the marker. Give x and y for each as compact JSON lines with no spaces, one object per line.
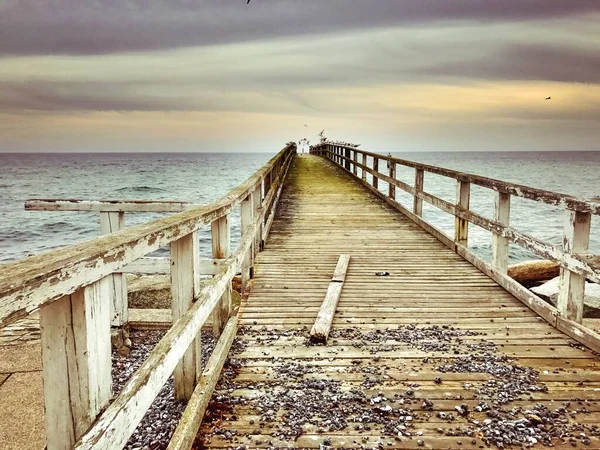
{"x":323,"y":213}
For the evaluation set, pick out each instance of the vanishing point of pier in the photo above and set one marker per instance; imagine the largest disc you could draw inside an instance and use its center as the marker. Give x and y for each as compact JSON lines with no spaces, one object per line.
{"x":361,"y":324}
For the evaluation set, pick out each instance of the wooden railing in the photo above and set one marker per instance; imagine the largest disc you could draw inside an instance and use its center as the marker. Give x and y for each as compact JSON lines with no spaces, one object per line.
{"x":71,"y":288}
{"x":576,"y":263}
{"x":112,"y":219}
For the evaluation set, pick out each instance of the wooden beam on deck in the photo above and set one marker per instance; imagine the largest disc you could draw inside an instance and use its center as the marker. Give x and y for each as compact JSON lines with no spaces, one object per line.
{"x":322,"y":326}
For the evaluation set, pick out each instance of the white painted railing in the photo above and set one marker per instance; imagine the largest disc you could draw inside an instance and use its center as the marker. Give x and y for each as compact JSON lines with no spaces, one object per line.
{"x":576,"y":263}
{"x":112,"y":219}
{"x":71,"y":288}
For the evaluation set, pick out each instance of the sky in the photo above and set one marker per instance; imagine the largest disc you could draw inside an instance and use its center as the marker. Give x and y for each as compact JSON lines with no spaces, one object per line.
{"x":224,"y":75}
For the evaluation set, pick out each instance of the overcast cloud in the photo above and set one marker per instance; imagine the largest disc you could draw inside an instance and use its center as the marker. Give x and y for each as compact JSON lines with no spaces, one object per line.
{"x":372,"y":71}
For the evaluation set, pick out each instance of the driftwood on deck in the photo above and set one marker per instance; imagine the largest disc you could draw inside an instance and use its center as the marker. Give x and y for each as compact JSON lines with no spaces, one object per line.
{"x":322,"y":326}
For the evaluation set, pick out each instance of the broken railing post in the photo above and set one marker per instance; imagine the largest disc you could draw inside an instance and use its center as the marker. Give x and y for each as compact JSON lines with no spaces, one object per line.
{"x":500,"y":243}
{"x":576,"y":240}
{"x":418,"y":201}
{"x":76,"y":362}
{"x":184,"y":287}
{"x":221,"y":249}
{"x":461,"y":226}
{"x":111,"y":222}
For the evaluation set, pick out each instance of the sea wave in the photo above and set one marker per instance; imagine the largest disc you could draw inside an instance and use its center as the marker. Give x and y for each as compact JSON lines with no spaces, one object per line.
{"x":146,"y":189}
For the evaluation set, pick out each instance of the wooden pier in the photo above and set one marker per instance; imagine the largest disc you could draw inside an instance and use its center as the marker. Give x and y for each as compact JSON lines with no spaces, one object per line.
{"x":424,"y":336}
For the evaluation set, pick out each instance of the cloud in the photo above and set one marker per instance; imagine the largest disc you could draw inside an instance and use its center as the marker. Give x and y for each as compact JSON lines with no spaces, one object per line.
{"x":32,"y":27}
{"x":525,"y":61}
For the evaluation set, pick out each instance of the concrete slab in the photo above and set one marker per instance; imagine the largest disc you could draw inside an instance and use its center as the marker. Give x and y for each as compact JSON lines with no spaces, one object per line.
{"x":22,"y":412}
{"x":20,"y":358}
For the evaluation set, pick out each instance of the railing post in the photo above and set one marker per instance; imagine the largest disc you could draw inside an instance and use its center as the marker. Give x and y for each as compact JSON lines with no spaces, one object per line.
{"x":347,"y":160}
{"x":576,"y":239}
{"x":111,"y":222}
{"x":256,"y":205}
{"x":376,"y":170}
{"x":76,"y":355}
{"x":184,"y":288}
{"x":364,"y":163}
{"x":221,"y":250}
{"x":461,"y":226}
{"x":267,"y":182}
{"x":418,"y":201}
{"x":392,"y":175}
{"x":355,"y":169}
{"x":500,"y":243}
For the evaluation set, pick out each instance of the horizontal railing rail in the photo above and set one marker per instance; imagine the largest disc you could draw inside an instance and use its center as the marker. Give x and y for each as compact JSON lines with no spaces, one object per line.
{"x":71,"y":288}
{"x":576,"y":262}
{"x":108,"y":205}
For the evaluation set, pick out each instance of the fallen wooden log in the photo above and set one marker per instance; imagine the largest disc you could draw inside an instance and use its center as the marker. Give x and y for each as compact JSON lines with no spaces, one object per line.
{"x":322,"y":325}
{"x":529,"y":272}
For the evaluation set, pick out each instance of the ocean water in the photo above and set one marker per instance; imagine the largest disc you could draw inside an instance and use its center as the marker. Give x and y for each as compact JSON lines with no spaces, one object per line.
{"x":574,"y":173}
{"x":193,"y":177}
{"x":204,"y":177}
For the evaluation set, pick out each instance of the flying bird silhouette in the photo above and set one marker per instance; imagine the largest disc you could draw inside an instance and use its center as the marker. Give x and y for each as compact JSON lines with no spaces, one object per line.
{"x":305,"y":125}
{"x":548,"y":98}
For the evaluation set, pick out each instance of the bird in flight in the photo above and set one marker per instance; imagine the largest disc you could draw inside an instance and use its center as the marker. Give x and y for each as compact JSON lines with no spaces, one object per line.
{"x":548,"y":98}
{"x":305,"y":125}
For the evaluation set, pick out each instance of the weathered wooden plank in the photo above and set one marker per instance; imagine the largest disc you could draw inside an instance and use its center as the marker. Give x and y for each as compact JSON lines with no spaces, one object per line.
{"x":322,"y":325}
{"x":341,"y":268}
{"x":185,"y":433}
{"x":221,"y":248}
{"x":108,"y":205}
{"x":184,"y":288}
{"x":576,"y":239}
{"x":111,"y":222}
{"x":76,"y":356}
{"x":500,"y":243}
